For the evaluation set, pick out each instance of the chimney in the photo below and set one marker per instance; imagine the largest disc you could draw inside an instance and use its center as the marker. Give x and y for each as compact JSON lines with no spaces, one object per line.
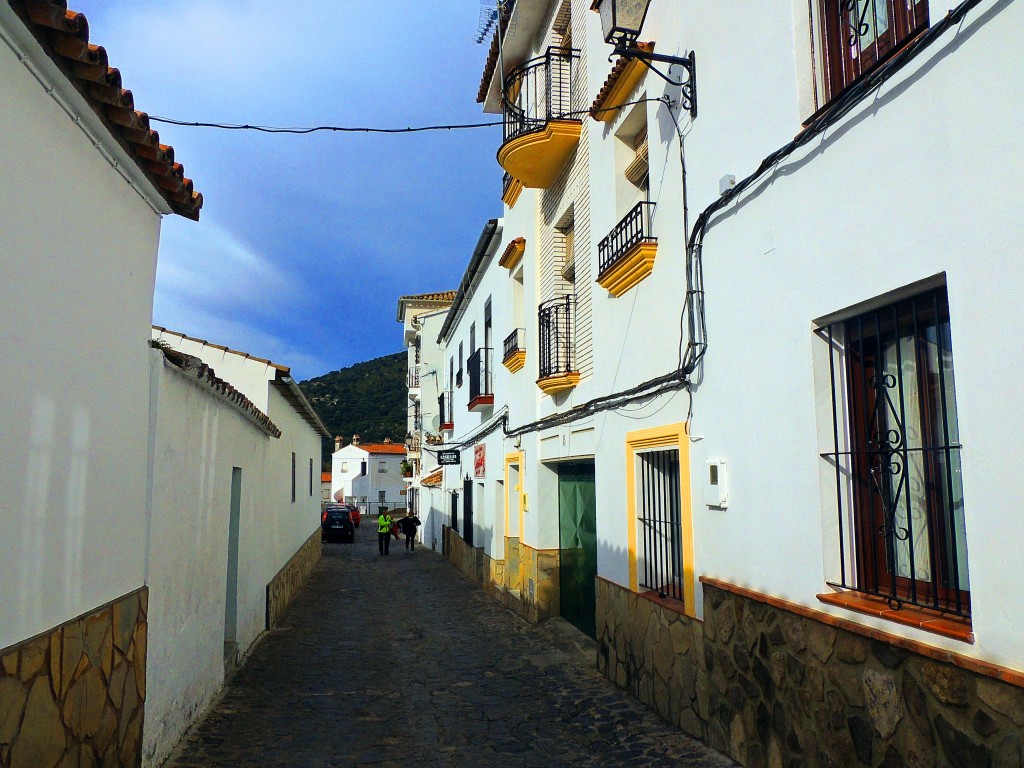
{"x":338,"y":442}
{"x":387,"y":441}
{"x":355,"y":439}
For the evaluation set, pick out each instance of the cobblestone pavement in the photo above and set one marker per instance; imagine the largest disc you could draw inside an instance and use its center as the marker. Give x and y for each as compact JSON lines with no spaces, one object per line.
{"x":400,"y":661}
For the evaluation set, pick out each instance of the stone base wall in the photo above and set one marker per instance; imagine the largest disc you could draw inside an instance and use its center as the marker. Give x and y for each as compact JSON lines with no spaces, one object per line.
{"x":75,"y":696}
{"x":770,"y":686}
{"x":654,"y":653}
{"x":792,"y":688}
{"x":536,"y":574}
{"x":286,"y":584}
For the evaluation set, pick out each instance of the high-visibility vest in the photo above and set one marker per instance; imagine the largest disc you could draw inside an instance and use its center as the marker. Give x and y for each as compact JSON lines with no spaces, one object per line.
{"x":383,"y":524}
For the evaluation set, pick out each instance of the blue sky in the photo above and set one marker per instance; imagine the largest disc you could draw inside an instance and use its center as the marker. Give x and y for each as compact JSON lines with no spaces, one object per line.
{"x":306,"y":242}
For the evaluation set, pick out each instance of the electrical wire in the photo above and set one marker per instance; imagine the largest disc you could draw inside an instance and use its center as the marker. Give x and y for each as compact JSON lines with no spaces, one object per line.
{"x":694,"y":309}
{"x":365,"y":129}
{"x":318,"y":128}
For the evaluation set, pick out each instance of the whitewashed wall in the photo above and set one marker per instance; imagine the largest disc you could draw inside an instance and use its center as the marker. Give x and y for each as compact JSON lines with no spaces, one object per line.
{"x":198,"y":440}
{"x":75,"y":378}
{"x":932,"y":207}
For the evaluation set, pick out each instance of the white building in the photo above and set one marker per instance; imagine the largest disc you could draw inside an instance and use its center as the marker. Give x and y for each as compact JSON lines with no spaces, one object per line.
{"x":727,"y":398}
{"x":235,"y":496}
{"x":422,"y":316}
{"x":84,"y":184}
{"x":369,"y":475}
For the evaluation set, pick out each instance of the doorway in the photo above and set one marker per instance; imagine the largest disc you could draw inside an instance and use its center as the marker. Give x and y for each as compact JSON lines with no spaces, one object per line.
{"x":231,"y":590}
{"x":577,"y":544}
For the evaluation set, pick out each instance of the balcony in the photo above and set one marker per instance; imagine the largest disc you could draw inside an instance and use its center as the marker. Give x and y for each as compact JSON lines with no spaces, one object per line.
{"x":444,"y":410}
{"x":556,"y":364}
{"x":515,"y":350}
{"x":540,"y":129}
{"x":626,"y":255}
{"x":481,"y":393}
{"x":412,"y":383}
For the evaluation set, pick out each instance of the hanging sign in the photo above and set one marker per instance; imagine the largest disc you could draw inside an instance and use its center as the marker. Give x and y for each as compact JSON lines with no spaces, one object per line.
{"x":479,"y":460}
{"x":448,"y":458}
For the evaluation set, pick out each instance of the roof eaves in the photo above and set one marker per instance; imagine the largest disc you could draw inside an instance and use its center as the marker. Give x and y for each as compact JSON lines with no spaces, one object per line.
{"x":282,"y":368}
{"x":290,"y":391}
{"x":205,"y":376}
{"x":63,"y":36}
{"x":483,"y":245}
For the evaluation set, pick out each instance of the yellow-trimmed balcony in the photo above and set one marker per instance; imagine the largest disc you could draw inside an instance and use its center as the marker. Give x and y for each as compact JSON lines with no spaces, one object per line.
{"x":556,"y":358}
{"x":626,"y":255}
{"x":515,"y":350}
{"x":541,"y":128}
{"x":552,"y":385}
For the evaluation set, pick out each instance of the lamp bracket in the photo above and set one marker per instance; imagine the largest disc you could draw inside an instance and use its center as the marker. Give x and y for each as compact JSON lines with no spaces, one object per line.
{"x":688,"y":97}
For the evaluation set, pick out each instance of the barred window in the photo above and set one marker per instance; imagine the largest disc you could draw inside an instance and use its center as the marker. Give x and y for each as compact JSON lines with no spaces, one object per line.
{"x":659,"y":511}
{"x":858,"y":34}
{"x":896,"y":454}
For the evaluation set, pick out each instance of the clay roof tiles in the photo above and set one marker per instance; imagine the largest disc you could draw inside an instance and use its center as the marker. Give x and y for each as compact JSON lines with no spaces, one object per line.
{"x":439,"y":296}
{"x":394,"y":448}
{"x":64,"y":36}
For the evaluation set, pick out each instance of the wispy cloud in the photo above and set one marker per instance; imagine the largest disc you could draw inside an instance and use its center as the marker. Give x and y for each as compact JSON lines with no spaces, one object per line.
{"x":306,"y":243}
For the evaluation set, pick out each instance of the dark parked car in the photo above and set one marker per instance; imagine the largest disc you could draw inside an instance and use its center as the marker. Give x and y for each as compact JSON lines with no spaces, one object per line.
{"x":336,"y":524}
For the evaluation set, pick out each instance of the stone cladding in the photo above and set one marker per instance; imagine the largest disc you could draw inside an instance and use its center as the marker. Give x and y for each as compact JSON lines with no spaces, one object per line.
{"x":284,"y":586}
{"x":74,"y":696}
{"x":526,"y":582}
{"x":770,"y":687}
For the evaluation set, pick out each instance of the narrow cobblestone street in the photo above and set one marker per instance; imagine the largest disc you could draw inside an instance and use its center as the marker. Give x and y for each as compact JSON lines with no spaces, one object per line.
{"x":400,"y":661}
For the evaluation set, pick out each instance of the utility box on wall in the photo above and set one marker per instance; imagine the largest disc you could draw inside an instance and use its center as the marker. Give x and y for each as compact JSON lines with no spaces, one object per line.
{"x":716,"y":485}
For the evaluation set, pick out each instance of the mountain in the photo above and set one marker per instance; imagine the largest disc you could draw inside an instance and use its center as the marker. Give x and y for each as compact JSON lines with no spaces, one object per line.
{"x":368,"y":399}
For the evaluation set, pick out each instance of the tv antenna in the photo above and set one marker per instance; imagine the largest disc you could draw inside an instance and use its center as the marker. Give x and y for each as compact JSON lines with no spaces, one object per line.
{"x":488,"y":19}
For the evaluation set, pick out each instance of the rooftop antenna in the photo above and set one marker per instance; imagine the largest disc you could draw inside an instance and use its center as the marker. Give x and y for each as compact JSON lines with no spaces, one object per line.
{"x":488,"y":20}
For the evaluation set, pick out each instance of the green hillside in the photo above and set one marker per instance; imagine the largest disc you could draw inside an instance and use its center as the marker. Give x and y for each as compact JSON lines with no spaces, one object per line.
{"x":368,"y":399}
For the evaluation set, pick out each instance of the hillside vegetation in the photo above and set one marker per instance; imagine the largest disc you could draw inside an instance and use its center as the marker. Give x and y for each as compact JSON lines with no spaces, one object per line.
{"x":368,"y":399}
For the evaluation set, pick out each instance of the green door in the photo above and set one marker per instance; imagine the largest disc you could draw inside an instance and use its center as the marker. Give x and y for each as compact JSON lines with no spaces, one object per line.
{"x":577,"y":543}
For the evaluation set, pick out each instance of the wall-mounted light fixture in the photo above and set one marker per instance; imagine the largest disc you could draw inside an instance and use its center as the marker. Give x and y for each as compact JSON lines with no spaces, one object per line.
{"x":621,"y":22}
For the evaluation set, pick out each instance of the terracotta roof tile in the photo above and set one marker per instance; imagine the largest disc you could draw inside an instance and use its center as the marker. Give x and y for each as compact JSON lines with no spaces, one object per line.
{"x":439,"y":296}
{"x":390,"y":448}
{"x":600,"y":109}
{"x":190,"y":364}
{"x":434,"y":478}
{"x":64,"y":36}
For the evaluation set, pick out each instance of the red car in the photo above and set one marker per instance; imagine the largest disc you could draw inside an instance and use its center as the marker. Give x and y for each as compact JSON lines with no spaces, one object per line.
{"x":354,"y":513}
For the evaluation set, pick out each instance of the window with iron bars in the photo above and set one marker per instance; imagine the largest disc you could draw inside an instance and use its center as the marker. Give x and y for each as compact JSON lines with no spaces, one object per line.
{"x":659,"y":509}
{"x":856,"y":35}
{"x":896,"y":456}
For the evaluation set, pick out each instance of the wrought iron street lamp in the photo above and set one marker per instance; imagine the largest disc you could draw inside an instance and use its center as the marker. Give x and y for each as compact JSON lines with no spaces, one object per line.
{"x":621,"y":22}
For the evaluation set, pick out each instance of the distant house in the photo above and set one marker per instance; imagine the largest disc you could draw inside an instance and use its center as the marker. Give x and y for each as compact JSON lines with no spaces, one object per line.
{"x":430,"y":402}
{"x":325,"y":486}
{"x":369,"y":474}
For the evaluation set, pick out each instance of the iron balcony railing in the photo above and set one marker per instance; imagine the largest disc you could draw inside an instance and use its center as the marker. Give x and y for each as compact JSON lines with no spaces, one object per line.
{"x":514,"y":342}
{"x":444,"y":408}
{"x":555,"y":319}
{"x":479,"y":365}
{"x":661,"y":538}
{"x":896,"y":456}
{"x":539,"y":91}
{"x":634,"y":228}
{"x":506,"y":182}
{"x":412,"y":381}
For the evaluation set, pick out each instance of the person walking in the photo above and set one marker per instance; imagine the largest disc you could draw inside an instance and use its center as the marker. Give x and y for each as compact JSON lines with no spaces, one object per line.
{"x":384,"y":523}
{"x":408,"y":526}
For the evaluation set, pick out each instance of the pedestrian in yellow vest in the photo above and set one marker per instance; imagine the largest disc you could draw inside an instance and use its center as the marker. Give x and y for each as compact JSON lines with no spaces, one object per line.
{"x":384,"y":523}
